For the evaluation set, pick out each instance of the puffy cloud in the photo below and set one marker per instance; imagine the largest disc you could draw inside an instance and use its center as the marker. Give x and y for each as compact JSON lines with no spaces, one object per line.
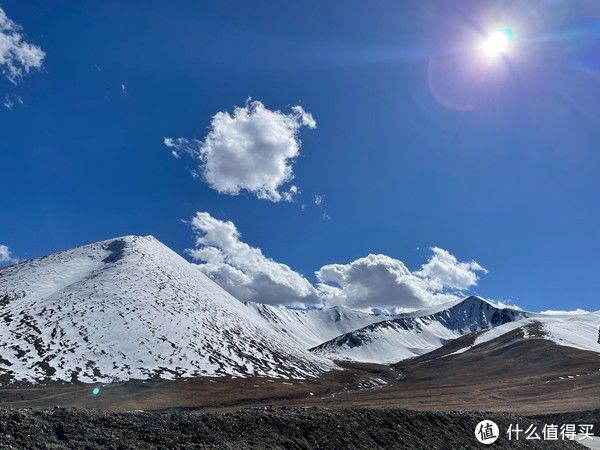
{"x":375,"y":281}
{"x":242,"y":270}
{"x":253,"y":149}
{"x":17,"y":57}
{"x":379,"y":281}
{"x":444,"y":270}
{"x":291,"y":192}
{"x":6,"y":257}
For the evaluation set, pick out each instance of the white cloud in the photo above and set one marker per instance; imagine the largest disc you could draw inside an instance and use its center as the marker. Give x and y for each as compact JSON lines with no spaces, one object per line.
{"x":291,"y":192}
{"x":575,"y":312}
{"x":10,"y":101}
{"x":17,"y":57}
{"x":444,"y":270}
{"x":181,"y":146}
{"x":379,"y":281}
{"x":502,"y":304}
{"x":318,"y":200}
{"x":253,"y":149}
{"x":243,"y":270}
{"x":6,"y":257}
{"x":375,"y":281}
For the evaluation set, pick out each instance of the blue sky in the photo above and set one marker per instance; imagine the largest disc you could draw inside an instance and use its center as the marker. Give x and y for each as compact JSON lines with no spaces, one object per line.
{"x":419,"y":141}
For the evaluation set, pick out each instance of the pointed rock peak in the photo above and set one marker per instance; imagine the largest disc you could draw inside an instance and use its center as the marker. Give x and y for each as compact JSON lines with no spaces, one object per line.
{"x":475,"y":301}
{"x":474,"y":298}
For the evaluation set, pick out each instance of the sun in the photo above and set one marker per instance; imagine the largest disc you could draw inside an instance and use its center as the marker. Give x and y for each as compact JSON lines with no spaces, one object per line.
{"x":497,"y":42}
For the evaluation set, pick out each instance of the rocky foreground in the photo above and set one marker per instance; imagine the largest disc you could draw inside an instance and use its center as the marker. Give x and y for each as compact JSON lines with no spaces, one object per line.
{"x":296,"y":428}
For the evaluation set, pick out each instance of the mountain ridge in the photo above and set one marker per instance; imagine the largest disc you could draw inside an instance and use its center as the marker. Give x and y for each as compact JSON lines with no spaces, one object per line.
{"x":409,"y":335}
{"x":311,"y":327}
{"x":131,"y":308}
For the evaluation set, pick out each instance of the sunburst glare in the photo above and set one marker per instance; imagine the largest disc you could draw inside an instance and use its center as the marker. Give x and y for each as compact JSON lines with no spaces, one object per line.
{"x":497,"y":42}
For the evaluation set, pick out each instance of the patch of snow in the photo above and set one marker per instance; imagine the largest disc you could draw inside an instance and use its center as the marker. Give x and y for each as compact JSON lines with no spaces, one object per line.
{"x":578,"y":331}
{"x":311,"y":327}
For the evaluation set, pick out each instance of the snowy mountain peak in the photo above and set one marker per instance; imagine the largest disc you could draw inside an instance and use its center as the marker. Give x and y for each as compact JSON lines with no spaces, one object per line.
{"x":466,"y":303}
{"x":478,"y":313}
{"x":474,"y":301}
{"x":128,"y":308}
{"x":413,"y":334}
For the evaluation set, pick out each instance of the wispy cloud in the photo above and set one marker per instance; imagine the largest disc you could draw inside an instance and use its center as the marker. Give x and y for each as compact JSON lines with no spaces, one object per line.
{"x":503,"y":304}
{"x":575,"y":312}
{"x":17,"y":56}
{"x":252,"y":149}
{"x":10,"y":101}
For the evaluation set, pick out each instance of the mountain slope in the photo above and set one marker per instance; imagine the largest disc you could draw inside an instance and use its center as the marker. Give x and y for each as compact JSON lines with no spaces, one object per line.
{"x":510,"y":351}
{"x":313,"y":327}
{"x":520,"y":369}
{"x":411,"y":335}
{"x":580,"y":331}
{"x":132,"y":308}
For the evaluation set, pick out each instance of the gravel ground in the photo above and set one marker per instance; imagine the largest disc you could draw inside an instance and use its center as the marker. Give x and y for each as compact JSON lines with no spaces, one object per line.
{"x":290,"y":428}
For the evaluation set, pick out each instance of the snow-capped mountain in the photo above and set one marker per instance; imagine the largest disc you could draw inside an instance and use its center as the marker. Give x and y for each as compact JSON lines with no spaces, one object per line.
{"x":313,"y":327}
{"x":580,"y":331}
{"x":131,"y":308}
{"x":409,"y":335}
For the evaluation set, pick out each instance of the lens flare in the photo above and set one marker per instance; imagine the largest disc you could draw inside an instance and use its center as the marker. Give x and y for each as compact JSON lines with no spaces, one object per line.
{"x":497,"y":42}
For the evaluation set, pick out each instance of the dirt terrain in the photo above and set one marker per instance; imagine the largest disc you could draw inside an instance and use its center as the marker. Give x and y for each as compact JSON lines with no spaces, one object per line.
{"x":521,"y":376}
{"x":290,"y":428}
{"x":359,"y":406}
